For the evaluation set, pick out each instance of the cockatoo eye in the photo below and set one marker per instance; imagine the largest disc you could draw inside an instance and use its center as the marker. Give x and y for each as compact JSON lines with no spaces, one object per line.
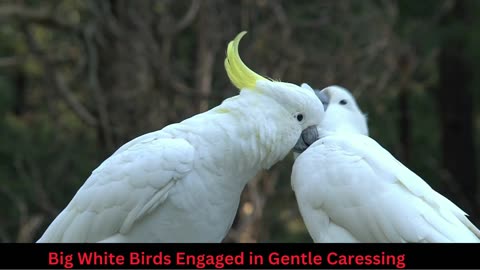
{"x":343,"y":102}
{"x":299,"y":117}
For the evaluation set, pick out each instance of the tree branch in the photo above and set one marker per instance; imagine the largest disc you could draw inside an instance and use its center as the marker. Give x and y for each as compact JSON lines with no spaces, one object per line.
{"x":189,"y":16}
{"x":9,"y":62}
{"x":59,"y":82}
{"x":42,"y":17}
{"x":98,"y":92}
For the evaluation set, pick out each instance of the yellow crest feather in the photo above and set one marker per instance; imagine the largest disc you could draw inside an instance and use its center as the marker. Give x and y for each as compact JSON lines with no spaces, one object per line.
{"x":239,"y":74}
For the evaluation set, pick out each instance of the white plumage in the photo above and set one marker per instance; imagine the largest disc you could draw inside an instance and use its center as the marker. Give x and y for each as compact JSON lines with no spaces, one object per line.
{"x":350,"y":189}
{"x":183,"y":183}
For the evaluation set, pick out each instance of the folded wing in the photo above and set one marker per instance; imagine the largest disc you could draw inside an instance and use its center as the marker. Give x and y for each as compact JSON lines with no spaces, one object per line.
{"x":359,"y":189}
{"x":123,"y":189}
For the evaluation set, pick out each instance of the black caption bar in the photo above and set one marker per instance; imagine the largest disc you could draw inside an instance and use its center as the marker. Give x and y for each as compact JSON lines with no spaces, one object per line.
{"x":240,"y":256}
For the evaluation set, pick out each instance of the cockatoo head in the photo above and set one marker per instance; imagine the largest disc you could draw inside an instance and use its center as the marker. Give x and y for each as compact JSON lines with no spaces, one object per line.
{"x":341,"y":111}
{"x":342,"y":114}
{"x":301,"y":107}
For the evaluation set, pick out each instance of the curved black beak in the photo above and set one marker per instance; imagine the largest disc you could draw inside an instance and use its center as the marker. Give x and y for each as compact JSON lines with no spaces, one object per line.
{"x":307,"y":138}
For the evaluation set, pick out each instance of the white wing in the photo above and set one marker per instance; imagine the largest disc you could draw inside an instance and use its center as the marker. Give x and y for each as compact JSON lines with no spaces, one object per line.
{"x":350,"y":189}
{"x":124,"y":188}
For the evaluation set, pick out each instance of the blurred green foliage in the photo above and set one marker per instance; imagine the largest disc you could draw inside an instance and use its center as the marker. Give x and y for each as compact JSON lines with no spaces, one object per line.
{"x":125,"y":63}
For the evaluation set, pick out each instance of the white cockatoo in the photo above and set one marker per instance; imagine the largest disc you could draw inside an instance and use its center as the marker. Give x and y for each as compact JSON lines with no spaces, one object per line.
{"x":350,"y":189}
{"x":183,"y":182}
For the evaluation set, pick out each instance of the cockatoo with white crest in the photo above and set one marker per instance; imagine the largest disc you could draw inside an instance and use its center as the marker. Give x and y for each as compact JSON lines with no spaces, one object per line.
{"x":183,"y":182}
{"x":350,"y":189}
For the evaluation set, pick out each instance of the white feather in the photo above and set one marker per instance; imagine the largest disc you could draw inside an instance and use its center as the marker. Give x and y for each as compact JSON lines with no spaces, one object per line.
{"x":350,"y":189}
{"x":183,"y":183}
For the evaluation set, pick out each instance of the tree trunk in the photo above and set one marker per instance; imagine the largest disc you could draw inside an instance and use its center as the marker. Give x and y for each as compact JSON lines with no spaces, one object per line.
{"x":20,"y":92}
{"x":455,"y":110}
{"x":404,"y":126}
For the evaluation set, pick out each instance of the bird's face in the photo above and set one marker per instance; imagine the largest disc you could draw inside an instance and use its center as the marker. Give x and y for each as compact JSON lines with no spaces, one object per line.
{"x":301,"y":111}
{"x":301,"y":104}
{"x":302,"y":108}
{"x":310,"y":134}
{"x":339,"y":98}
{"x":341,"y":114}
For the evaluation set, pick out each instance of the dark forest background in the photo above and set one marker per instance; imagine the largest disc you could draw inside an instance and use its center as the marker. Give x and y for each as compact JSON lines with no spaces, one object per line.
{"x":79,"y":78}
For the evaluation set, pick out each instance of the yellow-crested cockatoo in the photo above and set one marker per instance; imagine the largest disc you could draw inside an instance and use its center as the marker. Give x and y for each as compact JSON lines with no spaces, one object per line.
{"x":183,"y":182}
{"x":350,"y":189}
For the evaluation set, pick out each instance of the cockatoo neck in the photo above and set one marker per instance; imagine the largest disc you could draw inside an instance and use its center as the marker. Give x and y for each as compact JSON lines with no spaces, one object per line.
{"x":326,"y":131}
{"x":338,"y":120}
{"x":243,"y":135}
{"x":267,"y":131}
